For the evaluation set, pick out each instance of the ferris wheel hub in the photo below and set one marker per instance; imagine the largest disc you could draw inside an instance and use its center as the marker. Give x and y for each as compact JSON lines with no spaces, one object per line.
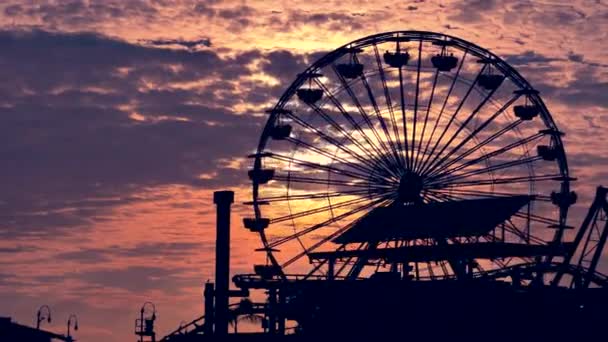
{"x":410,"y":188}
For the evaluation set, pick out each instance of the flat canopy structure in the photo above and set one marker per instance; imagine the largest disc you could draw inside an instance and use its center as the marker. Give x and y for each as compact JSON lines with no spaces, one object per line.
{"x":434,"y":220}
{"x":480,"y":250}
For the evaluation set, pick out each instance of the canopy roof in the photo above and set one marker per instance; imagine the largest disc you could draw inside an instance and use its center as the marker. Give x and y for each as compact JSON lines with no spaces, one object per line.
{"x":434,"y":220}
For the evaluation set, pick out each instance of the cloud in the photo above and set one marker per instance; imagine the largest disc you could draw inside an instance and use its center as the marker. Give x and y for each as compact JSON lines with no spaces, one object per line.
{"x":586,"y":89}
{"x":80,"y":13}
{"x":100,"y":118}
{"x":333,"y":21}
{"x":283,"y":65}
{"x":165,"y":249}
{"x":189,"y":44}
{"x":473,"y":11}
{"x":134,"y":279}
{"x":529,"y":57}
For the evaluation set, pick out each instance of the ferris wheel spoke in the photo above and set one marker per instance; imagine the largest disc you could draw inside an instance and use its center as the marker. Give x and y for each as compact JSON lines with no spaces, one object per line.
{"x":315,"y":195}
{"x":387,"y":135}
{"x":380,"y":157}
{"x":430,"y":162}
{"x":438,"y":172}
{"x":485,"y":142}
{"x":474,"y":132}
{"x":426,"y":156}
{"x":403,"y":118}
{"x":350,"y":260}
{"x":318,"y":244}
{"x":510,"y":180}
{"x":324,"y":208}
{"x":389,"y":105}
{"x":446,"y":178}
{"x":341,"y":130}
{"x":536,"y":218}
{"x":361,"y":167}
{"x":433,"y":164}
{"x":426,"y":119}
{"x":486,"y":194}
{"x":335,"y":182}
{"x":416,"y":104}
{"x":328,"y":168}
{"x":349,"y":136}
{"x":339,"y":145}
{"x":327,"y":222}
{"x":320,"y":264}
{"x":512,"y":228}
{"x":436,"y":197}
{"x":393,"y":164}
{"x":316,"y":268}
{"x":388,"y":162}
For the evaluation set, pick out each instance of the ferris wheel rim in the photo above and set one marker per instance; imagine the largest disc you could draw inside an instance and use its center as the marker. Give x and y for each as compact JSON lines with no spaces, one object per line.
{"x":422,"y":36}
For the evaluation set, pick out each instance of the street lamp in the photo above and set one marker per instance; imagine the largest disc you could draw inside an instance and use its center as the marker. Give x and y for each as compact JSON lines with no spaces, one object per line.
{"x":44,"y":313}
{"x":147,"y":316}
{"x":72,"y":320}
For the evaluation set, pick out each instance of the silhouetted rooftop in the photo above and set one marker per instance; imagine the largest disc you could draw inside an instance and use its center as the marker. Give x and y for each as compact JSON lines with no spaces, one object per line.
{"x":435,"y":220}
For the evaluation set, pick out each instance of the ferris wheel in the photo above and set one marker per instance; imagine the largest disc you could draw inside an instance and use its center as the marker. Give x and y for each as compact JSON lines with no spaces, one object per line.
{"x":402,"y":145}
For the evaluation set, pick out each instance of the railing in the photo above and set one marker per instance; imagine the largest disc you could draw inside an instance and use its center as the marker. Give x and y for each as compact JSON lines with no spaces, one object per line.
{"x":247,"y":280}
{"x":252,"y":280}
{"x":196,"y":325}
{"x":596,"y":277}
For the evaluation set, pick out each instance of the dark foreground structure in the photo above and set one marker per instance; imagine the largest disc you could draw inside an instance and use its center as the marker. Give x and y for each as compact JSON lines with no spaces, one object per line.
{"x":13,"y":331}
{"x":402,"y":196}
{"x":523,"y":302}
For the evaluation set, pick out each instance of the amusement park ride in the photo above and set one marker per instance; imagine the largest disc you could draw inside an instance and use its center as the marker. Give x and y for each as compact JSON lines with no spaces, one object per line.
{"x":419,"y":193}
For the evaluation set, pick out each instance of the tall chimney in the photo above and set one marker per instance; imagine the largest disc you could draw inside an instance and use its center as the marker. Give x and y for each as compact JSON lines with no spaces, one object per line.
{"x":223,"y":200}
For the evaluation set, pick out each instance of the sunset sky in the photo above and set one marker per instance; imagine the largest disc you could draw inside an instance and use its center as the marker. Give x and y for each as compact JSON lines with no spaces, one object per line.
{"x":119,"y":119}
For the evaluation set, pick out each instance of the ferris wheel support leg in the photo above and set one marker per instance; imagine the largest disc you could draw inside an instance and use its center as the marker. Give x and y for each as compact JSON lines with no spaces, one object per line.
{"x":281,"y":313}
{"x":598,"y":248}
{"x":360,"y":263}
{"x":598,"y":203}
{"x":272,"y":311}
{"x":209,"y":310}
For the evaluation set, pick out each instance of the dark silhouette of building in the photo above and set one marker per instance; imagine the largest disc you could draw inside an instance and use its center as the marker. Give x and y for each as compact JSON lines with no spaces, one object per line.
{"x":421,"y":238}
{"x":12,"y":331}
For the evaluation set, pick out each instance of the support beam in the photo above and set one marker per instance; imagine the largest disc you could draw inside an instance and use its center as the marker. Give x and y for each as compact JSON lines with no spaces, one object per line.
{"x":599,"y":203}
{"x":209,"y":308}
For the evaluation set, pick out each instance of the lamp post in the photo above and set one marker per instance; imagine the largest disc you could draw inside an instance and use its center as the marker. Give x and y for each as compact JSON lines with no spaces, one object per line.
{"x":72,"y":320}
{"x":44,"y":313}
{"x":146,"y":327}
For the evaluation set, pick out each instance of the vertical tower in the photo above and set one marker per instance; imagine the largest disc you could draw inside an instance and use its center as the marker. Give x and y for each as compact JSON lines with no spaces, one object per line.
{"x":223,"y":200}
